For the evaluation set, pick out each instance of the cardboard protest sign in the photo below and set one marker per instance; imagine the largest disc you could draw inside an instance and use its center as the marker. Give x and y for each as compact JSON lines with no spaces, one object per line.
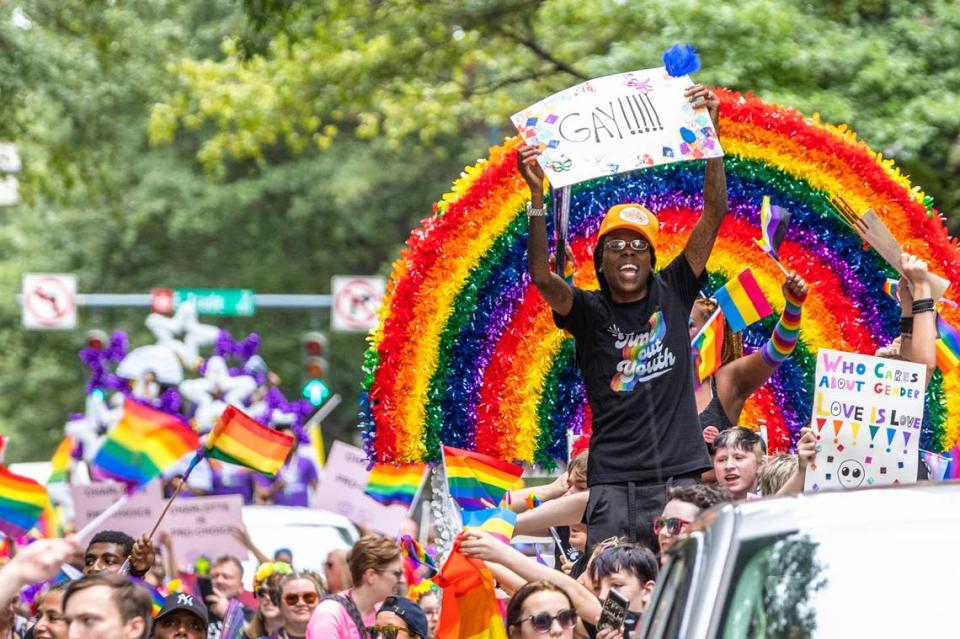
{"x":867,"y":413}
{"x":203,"y":525}
{"x":199,"y":525}
{"x":615,"y":124}
{"x":342,"y":491}
{"x":136,"y":517}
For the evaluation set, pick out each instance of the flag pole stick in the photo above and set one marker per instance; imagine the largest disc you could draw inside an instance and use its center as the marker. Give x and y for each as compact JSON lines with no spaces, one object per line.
{"x":416,"y":495}
{"x":97,"y":521}
{"x":782,"y":269}
{"x":706,"y":324}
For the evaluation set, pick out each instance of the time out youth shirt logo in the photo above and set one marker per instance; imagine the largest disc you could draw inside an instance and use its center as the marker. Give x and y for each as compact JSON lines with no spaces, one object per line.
{"x":645,"y":356}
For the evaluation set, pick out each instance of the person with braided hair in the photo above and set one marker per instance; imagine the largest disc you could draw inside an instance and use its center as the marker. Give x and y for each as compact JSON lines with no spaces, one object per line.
{"x":721,"y":397}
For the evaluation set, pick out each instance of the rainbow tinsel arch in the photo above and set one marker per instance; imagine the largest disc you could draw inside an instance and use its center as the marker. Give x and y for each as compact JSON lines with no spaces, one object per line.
{"x":466,"y":352}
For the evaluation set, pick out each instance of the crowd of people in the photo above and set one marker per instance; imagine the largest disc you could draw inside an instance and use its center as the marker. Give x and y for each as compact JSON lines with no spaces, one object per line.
{"x":663,"y":449}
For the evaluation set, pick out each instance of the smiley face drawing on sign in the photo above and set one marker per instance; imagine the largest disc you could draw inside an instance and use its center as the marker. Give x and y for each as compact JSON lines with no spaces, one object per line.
{"x":850,"y":474}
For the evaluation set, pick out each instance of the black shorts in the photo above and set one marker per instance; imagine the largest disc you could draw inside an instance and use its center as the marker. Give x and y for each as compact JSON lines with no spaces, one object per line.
{"x":627,"y":510}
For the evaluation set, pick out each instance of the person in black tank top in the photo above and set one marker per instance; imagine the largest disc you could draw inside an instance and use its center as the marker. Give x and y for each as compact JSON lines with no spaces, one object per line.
{"x":740,"y":376}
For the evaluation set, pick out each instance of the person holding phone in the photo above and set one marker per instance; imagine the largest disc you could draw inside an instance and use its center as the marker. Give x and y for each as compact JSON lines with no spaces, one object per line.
{"x":633,"y":347}
{"x":224,"y":585}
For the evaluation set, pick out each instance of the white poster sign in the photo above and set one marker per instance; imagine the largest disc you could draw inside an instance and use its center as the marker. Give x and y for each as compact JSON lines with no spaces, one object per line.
{"x":615,"y":124}
{"x":50,"y":301}
{"x":867,"y":413}
{"x":199,"y":525}
{"x":342,"y":491}
{"x":356,"y":302}
{"x":136,"y":517}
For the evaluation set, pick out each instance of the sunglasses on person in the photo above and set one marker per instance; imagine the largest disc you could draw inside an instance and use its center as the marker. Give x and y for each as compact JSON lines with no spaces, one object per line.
{"x":386,"y":632}
{"x":674,"y":525}
{"x":398,"y":573}
{"x":266,"y":593}
{"x":309,"y":598}
{"x":618,"y":246}
{"x":543,"y":621}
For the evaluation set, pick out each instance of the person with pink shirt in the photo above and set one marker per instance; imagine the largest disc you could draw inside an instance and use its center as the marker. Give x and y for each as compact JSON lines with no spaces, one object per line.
{"x":376,"y":567}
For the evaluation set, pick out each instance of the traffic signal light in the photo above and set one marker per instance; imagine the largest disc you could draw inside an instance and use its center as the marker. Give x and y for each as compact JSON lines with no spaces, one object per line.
{"x":313,"y":349}
{"x":96,"y":339}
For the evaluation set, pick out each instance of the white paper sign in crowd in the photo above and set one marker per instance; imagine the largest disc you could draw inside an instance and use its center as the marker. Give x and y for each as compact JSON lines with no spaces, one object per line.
{"x":867,"y":413}
{"x":342,"y":491}
{"x":198,"y":525}
{"x":615,"y":124}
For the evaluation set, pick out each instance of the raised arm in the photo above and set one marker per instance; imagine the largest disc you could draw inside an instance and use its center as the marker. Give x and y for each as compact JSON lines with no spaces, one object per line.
{"x":740,"y":378}
{"x":563,"y":511}
{"x":704,"y":233}
{"x":554,"y":288}
{"x":806,"y":453}
{"x":920,"y":344}
{"x":485,"y":547}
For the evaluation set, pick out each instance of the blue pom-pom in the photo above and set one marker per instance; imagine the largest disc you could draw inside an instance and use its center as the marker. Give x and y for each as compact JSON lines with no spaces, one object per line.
{"x":681,"y":60}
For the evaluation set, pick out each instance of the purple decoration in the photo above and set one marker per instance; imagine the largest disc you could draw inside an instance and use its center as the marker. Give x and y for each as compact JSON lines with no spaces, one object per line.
{"x":102,"y":363}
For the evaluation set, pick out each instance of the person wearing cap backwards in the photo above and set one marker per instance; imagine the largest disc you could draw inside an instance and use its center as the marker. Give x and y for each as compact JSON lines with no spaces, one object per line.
{"x":633,"y":348}
{"x":182,"y":616}
{"x":399,"y":618}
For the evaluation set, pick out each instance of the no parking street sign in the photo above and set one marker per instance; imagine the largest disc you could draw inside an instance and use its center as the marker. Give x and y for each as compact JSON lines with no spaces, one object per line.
{"x":356,"y":301}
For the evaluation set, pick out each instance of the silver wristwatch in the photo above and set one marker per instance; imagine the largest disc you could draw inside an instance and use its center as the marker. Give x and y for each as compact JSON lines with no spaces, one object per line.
{"x":533,"y":211}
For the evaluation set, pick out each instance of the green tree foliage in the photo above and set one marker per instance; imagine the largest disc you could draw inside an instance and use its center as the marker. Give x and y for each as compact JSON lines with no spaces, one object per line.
{"x":271,"y":144}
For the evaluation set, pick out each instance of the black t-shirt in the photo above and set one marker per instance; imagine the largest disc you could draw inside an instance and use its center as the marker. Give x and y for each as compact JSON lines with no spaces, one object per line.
{"x":635,"y":363}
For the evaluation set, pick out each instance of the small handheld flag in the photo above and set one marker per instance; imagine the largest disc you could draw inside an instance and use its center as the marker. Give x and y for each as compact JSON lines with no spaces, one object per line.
{"x":499,"y":522}
{"x":415,"y":553}
{"x":890,"y":288}
{"x":143,"y":444}
{"x":22,"y":501}
{"x":389,"y":484}
{"x":707,"y":347}
{"x":478,"y":481}
{"x":239,"y":439}
{"x":773,"y":227}
{"x":948,"y":347}
{"x":60,"y":462}
{"x":742,"y":301}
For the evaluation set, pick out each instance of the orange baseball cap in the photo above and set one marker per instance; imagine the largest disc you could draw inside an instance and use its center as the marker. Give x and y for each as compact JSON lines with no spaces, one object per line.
{"x":634,"y":217}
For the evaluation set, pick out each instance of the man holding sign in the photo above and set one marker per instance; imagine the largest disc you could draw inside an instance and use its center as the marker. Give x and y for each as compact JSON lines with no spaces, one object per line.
{"x":633,"y":348}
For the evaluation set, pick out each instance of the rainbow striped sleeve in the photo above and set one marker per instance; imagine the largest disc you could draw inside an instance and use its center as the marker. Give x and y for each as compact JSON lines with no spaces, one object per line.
{"x":778,"y":348}
{"x":22,"y":502}
{"x":742,"y":301}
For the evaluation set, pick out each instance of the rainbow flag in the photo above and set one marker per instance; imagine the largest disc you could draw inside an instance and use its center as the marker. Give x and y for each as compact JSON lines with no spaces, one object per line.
{"x":469,"y":609}
{"x":948,"y":347}
{"x":499,"y":522}
{"x":60,"y":462}
{"x":531,"y":501}
{"x":143,"y":444}
{"x":773,"y":227}
{"x":707,"y":347}
{"x":239,"y":439}
{"x":890,"y":288}
{"x":22,"y":501}
{"x":157,"y":596}
{"x":389,"y":484}
{"x":478,"y":481}
{"x":415,"y":554}
{"x":742,"y":301}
